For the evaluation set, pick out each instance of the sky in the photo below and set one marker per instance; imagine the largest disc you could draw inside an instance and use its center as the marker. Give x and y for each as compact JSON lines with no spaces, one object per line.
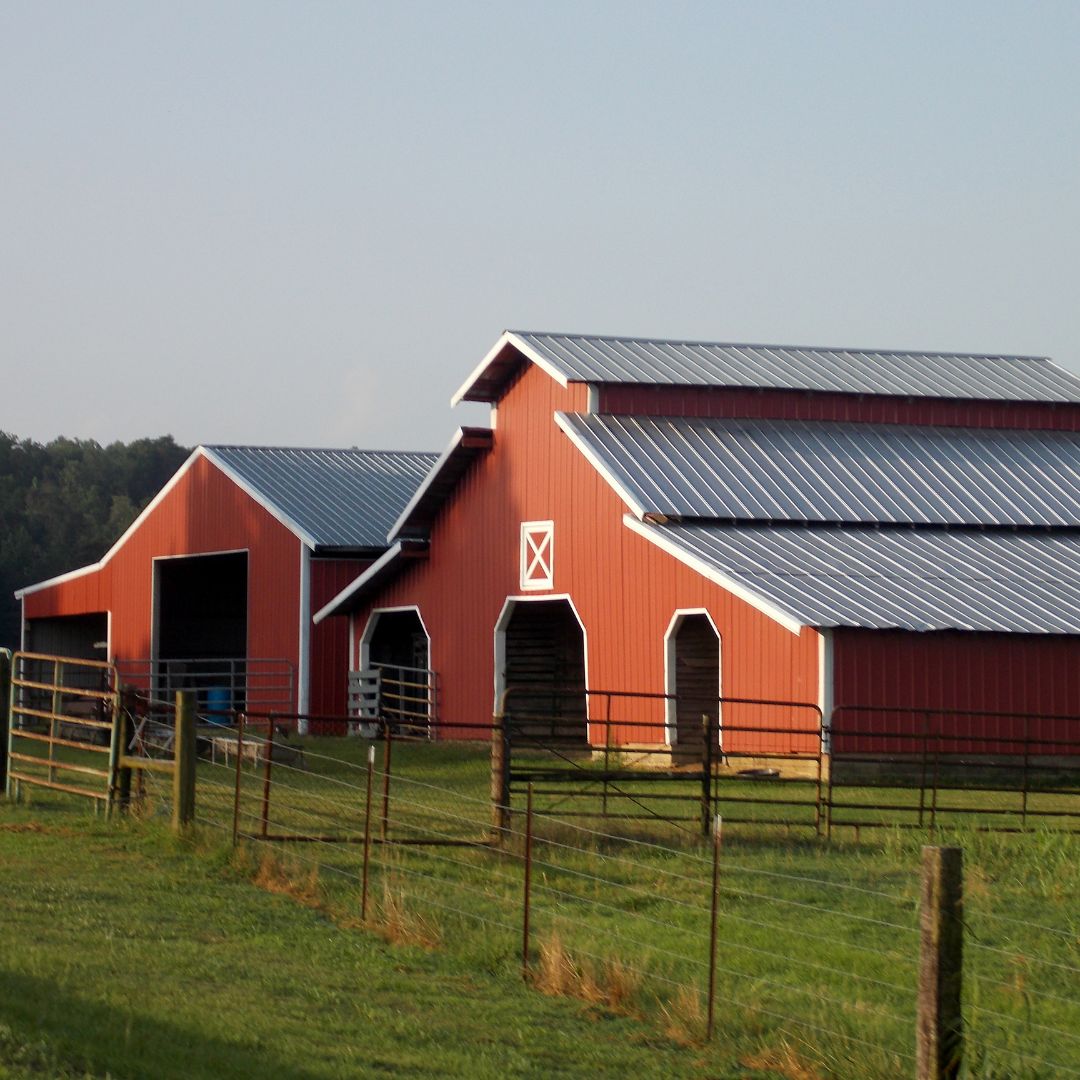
{"x":306,"y":223}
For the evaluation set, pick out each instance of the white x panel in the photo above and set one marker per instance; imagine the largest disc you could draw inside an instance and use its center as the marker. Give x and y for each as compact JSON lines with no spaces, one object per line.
{"x":537,"y":555}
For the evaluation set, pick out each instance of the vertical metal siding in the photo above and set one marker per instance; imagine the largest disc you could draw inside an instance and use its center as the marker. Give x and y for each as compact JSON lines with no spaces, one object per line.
{"x":812,"y":405}
{"x":1024,"y":673}
{"x":204,"y":512}
{"x":330,"y":639}
{"x":624,"y":588}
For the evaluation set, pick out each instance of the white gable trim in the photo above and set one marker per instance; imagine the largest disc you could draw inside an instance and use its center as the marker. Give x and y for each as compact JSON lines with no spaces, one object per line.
{"x":257,"y":496}
{"x":508,"y":338}
{"x":763,"y":604}
{"x":428,"y":480}
{"x":380,"y":563}
{"x":151,"y":506}
{"x":563,"y":423}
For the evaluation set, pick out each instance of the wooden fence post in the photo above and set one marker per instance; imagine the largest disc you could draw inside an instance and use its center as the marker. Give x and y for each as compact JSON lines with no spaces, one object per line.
{"x":500,"y":780}
{"x":184,"y":769}
{"x":5,"y":714}
{"x":940,"y":1030}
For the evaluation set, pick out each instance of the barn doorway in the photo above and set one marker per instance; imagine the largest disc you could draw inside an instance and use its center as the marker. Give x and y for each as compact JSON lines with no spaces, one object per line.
{"x":83,"y":637}
{"x":200,"y":628}
{"x":540,"y":668}
{"x":693,"y":676}
{"x":396,"y":676}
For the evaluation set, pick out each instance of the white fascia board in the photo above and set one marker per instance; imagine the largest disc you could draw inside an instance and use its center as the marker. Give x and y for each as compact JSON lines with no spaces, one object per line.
{"x":257,"y":496}
{"x":563,"y":422}
{"x":379,"y":564}
{"x":146,"y":512}
{"x":428,"y":480}
{"x":508,"y":338}
{"x":654,"y":534}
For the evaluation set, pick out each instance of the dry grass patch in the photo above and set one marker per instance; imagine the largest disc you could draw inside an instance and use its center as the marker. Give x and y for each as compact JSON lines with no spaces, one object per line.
{"x":286,"y":878}
{"x":613,"y":984}
{"x":685,"y":1018}
{"x":785,"y":1061}
{"x":395,"y":923}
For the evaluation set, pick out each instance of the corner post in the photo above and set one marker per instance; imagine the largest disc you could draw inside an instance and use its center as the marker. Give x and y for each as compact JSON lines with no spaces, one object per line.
{"x":184,"y":770}
{"x":940,"y":1025}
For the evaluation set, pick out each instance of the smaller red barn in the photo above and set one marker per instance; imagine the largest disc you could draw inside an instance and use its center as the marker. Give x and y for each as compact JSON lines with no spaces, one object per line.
{"x":214,"y":583}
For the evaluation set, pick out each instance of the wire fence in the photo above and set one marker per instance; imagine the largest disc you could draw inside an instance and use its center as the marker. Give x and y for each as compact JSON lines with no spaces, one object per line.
{"x":691,"y":935}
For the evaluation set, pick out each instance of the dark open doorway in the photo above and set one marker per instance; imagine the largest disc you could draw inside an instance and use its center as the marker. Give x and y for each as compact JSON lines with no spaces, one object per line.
{"x":695,"y":675}
{"x":200,"y":627}
{"x":543,"y":652}
{"x":398,"y":671}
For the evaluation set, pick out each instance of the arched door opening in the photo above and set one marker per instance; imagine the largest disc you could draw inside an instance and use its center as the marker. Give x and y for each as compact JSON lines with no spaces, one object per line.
{"x":540,"y":651}
{"x":694,"y":679}
{"x":396,"y":669}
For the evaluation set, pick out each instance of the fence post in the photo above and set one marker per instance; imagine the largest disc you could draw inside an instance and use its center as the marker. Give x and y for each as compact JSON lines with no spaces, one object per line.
{"x":5,"y":714}
{"x":500,"y":780}
{"x":940,"y":1030}
{"x":388,"y":747}
{"x":527,"y":899}
{"x":711,"y":1007}
{"x":240,"y":719}
{"x":124,"y":737}
{"x":184,"y":770}
{"x":367,"y":831}
{"x":706,"y":774}
{"x":268,"y":769}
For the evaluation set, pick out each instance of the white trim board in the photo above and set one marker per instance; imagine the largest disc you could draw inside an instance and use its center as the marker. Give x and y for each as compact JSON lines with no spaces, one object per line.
{"x":563,"y":423}
{"x":372,"y":624}
{"x":767,"y":607}
{"x":379,"y":564}
{"x":428,"y":480}
{"x":508,"y":338}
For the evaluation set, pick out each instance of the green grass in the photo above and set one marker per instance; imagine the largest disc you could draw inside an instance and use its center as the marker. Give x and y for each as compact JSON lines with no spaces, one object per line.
{"x":810,"y":976}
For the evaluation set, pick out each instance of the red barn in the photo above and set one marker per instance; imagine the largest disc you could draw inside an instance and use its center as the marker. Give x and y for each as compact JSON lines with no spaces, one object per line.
{"x":214,"y":583}
{"x":886,"y":530}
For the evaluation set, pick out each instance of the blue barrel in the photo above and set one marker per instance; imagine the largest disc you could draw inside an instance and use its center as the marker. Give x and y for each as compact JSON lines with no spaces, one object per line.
{"x":218,"y":708}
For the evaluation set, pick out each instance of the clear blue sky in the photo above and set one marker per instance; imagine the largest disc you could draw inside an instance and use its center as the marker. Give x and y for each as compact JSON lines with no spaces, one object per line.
{"x":305,"y":223}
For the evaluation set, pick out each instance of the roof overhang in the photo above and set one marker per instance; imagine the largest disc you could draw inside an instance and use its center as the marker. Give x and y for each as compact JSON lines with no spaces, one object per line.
{"x":465,"y":447}
{"x":497,"y":368}
{"x":378,"y":574}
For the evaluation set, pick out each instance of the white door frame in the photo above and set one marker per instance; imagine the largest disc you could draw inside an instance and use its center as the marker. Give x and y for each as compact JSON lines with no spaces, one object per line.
{"x":670,"y":719}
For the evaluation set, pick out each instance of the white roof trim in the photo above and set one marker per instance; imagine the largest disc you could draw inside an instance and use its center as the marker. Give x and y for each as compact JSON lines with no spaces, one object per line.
{"x":379,"y":564}
{"x":508,"y":338}
{"x":149,"y":509}
{"x":428,"y":480}
{"x":598,"y":465}
{"x":654,"y":534}
{"x":256,"y":495}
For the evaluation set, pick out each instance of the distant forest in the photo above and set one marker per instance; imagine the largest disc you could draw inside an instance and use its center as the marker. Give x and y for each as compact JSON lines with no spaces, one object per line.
{"x":64,"y":503}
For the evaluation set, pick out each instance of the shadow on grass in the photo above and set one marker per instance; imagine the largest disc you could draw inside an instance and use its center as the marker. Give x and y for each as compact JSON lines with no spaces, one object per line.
{"x":91,"y":1037}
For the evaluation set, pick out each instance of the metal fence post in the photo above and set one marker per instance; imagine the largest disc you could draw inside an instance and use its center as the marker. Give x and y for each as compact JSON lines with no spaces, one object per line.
{"x":240,"y":719}
{"x":268,"y":769}
{"x":711,"y":1006}
{"x":388,"y":747}
{"x":706,"y":774}
{"x":527,"y":898}
{"x":184,"y":769}
{"x":367,"y":831}
{"x":940,"y":1030}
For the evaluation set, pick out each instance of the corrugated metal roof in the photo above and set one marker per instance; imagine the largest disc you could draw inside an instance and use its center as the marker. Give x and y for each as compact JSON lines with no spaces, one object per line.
{"x":581,"y":358}
{"x":781,"y":470}
{"x":911,"y":579}
{"x":332,"y":498}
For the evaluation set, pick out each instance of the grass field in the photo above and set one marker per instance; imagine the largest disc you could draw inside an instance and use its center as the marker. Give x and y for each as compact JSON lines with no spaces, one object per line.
{"x":816,"y":962}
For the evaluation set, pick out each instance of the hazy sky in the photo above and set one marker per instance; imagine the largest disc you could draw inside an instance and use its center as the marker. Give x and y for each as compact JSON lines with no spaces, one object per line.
{"x":305,"y":223}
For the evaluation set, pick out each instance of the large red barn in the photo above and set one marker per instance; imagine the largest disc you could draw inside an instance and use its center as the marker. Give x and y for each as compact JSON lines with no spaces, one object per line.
{"x":214,"y":583}
{"x":837,"y":527}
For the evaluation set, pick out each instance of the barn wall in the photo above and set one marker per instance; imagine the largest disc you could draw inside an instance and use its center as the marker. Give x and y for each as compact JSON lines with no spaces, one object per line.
{"x":808,"y":405}
{"x":330,"y":638}
{"x":203,"y":512}
{"x":623,"y":587}
{"x":1028,"y":673}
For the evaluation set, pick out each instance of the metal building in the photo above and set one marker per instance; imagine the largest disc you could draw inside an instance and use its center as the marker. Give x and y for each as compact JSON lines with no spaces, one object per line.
{"x":873,"y":532}
{"x":212,"y":587}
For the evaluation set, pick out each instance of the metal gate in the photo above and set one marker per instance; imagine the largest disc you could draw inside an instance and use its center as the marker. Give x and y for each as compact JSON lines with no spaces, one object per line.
{"x":62,"y":729}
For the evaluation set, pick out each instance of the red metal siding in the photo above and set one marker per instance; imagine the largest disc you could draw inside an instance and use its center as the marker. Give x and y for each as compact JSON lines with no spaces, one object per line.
{"x":624,"y":588}
{"x":330,"y":639}
{"x":203,"y":512}
{"x":809,"y":405}
{"x":954,"y":670}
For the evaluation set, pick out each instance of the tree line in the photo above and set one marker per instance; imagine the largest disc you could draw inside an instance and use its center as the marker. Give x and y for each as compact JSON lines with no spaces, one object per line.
{"x":64,"y":503}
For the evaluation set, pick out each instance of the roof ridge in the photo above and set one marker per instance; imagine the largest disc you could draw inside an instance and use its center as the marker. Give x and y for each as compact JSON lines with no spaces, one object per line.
{"x":776,"y":345}
{"x":317,"y":449}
